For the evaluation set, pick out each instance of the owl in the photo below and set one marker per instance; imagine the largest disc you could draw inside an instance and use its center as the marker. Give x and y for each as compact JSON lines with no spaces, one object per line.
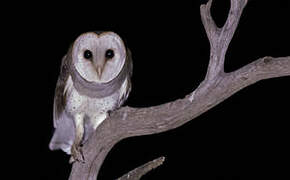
{"x":95,"y":79}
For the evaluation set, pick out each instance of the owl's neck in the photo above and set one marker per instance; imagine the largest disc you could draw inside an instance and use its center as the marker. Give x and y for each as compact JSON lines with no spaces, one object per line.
{"x":98,"y":90}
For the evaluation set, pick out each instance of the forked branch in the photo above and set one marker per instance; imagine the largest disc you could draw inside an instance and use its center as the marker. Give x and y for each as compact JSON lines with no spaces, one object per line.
{"x":216,"y":87}
{"x":220,"y":38}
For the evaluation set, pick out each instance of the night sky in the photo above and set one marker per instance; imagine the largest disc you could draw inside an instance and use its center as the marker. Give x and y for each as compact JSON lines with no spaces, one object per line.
{"x":244,"y":137}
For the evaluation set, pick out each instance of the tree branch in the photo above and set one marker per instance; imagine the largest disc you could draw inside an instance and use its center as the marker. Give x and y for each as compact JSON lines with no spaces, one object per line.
{"x":142,"y":170}
{"x":216,"y":87}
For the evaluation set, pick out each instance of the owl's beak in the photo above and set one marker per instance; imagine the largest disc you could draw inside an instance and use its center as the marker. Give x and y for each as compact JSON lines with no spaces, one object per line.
{"x":99,"y":71}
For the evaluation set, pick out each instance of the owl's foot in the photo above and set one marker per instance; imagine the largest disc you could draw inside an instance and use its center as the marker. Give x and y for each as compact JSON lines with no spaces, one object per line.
{"x":76,"y":154}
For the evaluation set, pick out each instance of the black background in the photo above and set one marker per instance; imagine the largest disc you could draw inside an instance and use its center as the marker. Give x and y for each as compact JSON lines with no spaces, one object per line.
{"x":245,"y":137}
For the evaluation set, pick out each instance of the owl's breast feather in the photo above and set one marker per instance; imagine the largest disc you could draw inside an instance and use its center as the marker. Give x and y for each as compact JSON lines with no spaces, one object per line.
{"x":94,"y":108}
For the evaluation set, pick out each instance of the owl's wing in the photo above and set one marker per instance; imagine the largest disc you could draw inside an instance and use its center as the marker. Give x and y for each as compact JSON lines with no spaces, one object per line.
{"x":60,"y":95}
{"x":64,"y":126}
{"x":124,"y":92}
{"x":126,"y":87}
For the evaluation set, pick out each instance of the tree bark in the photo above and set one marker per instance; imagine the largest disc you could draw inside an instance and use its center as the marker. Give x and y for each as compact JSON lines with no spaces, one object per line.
{"x":216,"y":87}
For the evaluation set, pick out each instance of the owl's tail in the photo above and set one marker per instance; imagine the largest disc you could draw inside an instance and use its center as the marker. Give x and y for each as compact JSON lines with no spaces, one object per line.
{"x":63,"y":136}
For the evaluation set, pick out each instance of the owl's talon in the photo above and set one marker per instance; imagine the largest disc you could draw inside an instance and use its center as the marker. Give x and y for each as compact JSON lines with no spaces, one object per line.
{"x":76,"y":154}
{"x":109,"y":112}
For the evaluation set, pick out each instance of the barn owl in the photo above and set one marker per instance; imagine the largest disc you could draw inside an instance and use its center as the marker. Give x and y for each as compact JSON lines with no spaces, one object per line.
{"x":94,"y":80}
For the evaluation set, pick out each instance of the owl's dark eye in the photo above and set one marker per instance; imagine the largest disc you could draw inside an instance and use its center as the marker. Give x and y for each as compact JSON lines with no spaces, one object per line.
{"x":109,"y":54}
{"x":88,"y":54}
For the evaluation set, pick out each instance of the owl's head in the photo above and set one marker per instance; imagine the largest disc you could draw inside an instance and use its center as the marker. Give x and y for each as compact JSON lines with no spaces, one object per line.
{"x":98,"y":57}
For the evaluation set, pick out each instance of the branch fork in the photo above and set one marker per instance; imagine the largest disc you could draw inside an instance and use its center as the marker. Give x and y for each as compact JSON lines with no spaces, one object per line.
{"x":220,"y":38}
{"x":216,"y":87}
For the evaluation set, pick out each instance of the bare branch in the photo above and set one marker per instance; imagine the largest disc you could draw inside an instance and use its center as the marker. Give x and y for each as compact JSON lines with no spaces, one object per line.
{"x":231,"y":24}
{"x":211,"y":28}
{"x":142,"y":170}
{"x":216,"y":87}
{"x":128,"y":121}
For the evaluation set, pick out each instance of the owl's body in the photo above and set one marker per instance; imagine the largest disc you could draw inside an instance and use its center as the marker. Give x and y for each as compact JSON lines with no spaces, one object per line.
{"x":94,"y":80}
{"x":95,"y":109}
